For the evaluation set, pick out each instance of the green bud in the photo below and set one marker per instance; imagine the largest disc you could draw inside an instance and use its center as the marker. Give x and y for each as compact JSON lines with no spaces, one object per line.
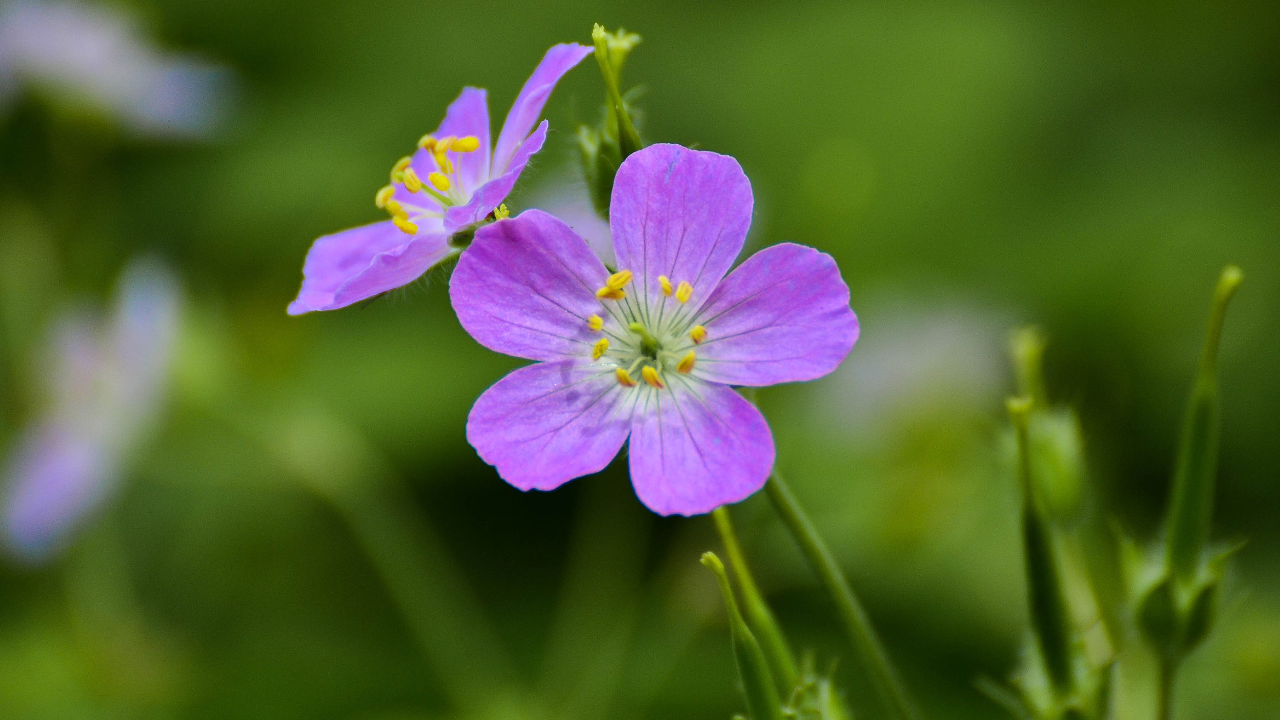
{"x":1057,"y":458}
{"x":1159,"y":620}
{"x":603,"y":148}
{"x":757,"y":682}
{"x":1191,"y":502}
{"x":1050,"y":616}
{"x":1026,"y":349}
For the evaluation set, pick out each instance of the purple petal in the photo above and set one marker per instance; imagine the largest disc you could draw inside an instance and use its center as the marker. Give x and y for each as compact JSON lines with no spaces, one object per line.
{"x":491,"y":194}
{"x":526,"y":287}
{"x":548,"y":423}
{"x":781,"y":316}
{"x":359,"y":263}
{"x":696,"y":446}
{"x":55,"y":477}
{"x":559,"y":60}
{"x":680,"y":213}
{"x":468,"y":115}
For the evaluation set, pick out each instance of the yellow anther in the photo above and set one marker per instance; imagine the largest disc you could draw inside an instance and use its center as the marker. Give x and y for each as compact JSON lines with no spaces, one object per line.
{"x":595,"y":322}
{"x":446,"y":167}
{"x":501,"y":212}
{"x":444,"y":144}
{"x":440,"y":182}
{"x":599,"y":349}
{"x":405,"y":226}
{"x":698,"y":333}
{"x":618,"y":280}
{"x":666,"y":285}
{"x":686,"y":363}
{"x":608,"y":293}
{"x":470,"y":143}
{"x":412,"y":182}
{"x":396,"y":210}
{"x":399,"y":168}
{"x":427,"y":142}
{"x":624,"y":378}
{"x":650,"y":375}
{"x":684,"y":291}
{"x":384,"y":196}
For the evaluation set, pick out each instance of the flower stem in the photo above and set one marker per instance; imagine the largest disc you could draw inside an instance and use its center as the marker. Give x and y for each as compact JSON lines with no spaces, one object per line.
{"x":759,"y":616}
{"x":1167,"y":674}
{"x":852,"y":615}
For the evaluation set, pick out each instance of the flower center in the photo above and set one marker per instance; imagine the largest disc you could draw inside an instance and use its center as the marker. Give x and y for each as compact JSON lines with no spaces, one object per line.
{"x":408,"y":198}
{"x":651,"y":339}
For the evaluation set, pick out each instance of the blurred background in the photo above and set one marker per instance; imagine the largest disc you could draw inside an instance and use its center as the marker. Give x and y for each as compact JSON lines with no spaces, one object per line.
{"x":258,"y":516}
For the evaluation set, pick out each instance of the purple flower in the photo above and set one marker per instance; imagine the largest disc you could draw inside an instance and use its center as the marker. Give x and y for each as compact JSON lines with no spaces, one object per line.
{"x":451,"y":183}
{"x":104,"y":386}
{"x":647,"y":352}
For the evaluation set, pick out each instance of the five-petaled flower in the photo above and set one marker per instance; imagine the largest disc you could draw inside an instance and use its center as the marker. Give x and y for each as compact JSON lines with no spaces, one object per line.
{"x":451,"y":183}
{"x":648,"y":352}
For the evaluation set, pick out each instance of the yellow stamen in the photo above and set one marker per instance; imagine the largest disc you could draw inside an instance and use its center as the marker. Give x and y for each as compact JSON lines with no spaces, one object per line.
{"x":444,"y":144}
{"x":684,"y":291}
{"x":405,"y":226}
{"x":399,"y":167}
{"x":446,"y":167}
{"x":501,"y":213}
{"x":624,"y":378}
{"x":697,"y":333}
{"x":618,"y":280}
{"x":595,"y":322}
{"x":666,"y":285}
{"x":600,"y":347}
{"x":412,"y":182}
{"x":686,"y":363}
{"x":470,"y":143}
{"x":440,"y":182}
{"x":608,"y":293}
{"x":427,"y":142}
{"x":384,"y":196}
{"x":396,"y":210}
{"x":650,"y":375}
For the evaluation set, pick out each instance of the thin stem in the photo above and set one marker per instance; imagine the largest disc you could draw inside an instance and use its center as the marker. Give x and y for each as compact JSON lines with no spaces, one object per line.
{"x":759,"y":616}
{"x":1167,"y":674}
{"x":852,"y":614}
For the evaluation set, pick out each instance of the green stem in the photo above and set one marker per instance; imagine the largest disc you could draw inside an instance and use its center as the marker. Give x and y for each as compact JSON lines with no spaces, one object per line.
{"x":759,"y":616}
{"x":758,"y":686}
{"x":1164,"y":700}
{"x":852,"y":614}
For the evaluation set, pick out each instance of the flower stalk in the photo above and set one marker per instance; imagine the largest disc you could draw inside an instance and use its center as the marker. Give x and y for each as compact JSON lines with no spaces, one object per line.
{"x":852,"y":615}
{"x":762,"y":698}
{"x":761,"y":619}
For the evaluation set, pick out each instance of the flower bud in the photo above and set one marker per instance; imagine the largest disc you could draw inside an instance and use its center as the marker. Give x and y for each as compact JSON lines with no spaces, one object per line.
{"x":753,"y":669}
{"x":604,"y":147}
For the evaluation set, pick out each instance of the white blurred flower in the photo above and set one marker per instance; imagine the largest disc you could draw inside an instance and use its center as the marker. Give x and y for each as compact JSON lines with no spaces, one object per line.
{"x":98,"y":57}
{"x":104,"y":385}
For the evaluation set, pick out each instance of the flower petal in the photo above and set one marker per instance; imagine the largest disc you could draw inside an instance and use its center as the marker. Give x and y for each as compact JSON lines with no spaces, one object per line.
{"x":680,"y":213}
{"x":696,"y":446}
{"x":468,"y":115}
{"x":526,"y":287}
{"x":524,"y":113}
{"x":548,"y":423}
{"x":491,"y":194}
{"x":362,"y":262}
{"x":781,"y":316}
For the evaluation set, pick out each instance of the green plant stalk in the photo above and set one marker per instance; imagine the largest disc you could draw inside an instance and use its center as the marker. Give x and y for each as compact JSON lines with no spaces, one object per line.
{"x":628,"y":137}
{"x":760,"y":617}
{"x":852,"y":615}
{"x":1191,"y":503}
{"x":1166,"y":680}
{"x":1050,"y":617}
{"x":763,"y":702}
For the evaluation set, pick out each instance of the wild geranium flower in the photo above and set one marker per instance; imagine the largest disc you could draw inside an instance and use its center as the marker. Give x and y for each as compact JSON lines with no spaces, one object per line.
{"x":105,"y":383}
{"x":648,"y":352}
{"x":451,"y":183}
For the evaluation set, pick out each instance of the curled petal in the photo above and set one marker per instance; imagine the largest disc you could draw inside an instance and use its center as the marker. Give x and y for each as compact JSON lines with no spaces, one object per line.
{"x":697,"y":446}
{"x":362,"y":262}
{"x":491,"y":194}
{"x":524,"y":113}
{"x":526,"y":287}
{"x":781,"y":316}
{"x":679,"y":213}
{"x":548,"y":423}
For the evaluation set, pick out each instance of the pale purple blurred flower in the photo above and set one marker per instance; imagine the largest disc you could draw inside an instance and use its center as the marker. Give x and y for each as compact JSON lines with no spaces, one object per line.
{"x":98,"y":57}
{"x":650,"y":362}
{"x":568,"y":199}
{"x":104,"y":385}
{"x":451,"y":183}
